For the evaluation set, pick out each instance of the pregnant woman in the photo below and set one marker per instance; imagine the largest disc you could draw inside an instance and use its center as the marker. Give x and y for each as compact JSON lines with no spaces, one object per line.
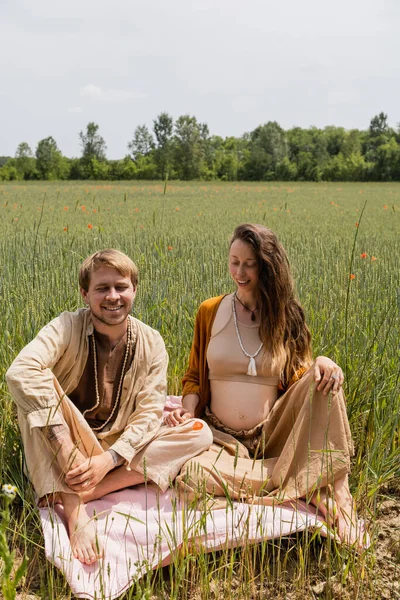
{"x":278,"y":419}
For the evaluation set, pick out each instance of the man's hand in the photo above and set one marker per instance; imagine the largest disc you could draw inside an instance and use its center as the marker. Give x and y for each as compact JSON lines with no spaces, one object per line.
{"x":69,"y":457}
{"x":89,"y":473}
{"x":327,"y":375}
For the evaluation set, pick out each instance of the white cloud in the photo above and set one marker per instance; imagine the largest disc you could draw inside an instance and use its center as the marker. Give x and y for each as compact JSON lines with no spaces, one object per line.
{"x":75,"y":109}
{"x":110,"y":95}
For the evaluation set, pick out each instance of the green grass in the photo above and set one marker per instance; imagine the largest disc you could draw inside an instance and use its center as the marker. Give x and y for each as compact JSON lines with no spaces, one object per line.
{"x":179,"y":241}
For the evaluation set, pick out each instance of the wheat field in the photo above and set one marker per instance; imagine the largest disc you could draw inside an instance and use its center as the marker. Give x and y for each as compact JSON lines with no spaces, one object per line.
{"x":343,"y":243}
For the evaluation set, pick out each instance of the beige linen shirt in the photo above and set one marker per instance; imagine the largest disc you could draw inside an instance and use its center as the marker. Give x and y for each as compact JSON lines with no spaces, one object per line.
{"x":60,"y":351}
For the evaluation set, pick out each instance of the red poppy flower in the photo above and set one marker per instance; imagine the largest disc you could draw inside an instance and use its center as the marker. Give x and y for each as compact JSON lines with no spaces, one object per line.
{"x":90,"y":226}
{"x":363,"y":255}
{"x":352,"y":276}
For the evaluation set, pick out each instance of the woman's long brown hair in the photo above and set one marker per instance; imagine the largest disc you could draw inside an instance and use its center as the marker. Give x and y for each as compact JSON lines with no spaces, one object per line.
{"x":283,"y":328}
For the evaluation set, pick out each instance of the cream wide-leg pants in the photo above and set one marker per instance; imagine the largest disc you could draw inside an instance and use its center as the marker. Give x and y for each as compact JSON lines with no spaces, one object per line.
{"x":160,"y":461}
{"x":303,"y":445}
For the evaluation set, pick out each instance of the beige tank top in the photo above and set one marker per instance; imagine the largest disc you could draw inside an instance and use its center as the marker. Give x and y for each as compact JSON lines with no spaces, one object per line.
{"x":226,"y":361}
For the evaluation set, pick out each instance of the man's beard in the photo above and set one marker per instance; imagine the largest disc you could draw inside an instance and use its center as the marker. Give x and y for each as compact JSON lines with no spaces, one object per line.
{"x":104,"y":322}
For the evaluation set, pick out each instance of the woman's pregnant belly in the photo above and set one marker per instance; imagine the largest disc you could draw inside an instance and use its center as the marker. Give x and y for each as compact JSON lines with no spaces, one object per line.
{"x":241,"y":405}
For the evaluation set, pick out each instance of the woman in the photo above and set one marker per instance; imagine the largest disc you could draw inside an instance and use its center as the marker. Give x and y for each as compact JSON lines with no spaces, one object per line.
{"x":278,"y":419}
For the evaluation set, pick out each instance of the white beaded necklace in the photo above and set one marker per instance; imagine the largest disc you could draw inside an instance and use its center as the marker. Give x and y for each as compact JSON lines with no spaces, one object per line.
{"x":251,"y":370}
{"x":96,"y":382}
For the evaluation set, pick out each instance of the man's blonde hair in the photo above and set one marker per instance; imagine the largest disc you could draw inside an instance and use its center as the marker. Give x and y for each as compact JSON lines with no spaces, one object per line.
{"x":107,"y":258}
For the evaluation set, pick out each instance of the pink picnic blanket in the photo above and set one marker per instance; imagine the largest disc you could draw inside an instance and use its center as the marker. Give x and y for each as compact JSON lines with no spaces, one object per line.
{"x":142,"y":529}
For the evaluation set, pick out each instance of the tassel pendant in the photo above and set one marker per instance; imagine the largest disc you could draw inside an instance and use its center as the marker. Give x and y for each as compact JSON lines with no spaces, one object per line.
{"x":251,"y":370}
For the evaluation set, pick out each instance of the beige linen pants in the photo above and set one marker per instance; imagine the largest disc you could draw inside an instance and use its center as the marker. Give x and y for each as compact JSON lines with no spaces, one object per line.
{"x":303,"y":445}
{"x":160,"y":460}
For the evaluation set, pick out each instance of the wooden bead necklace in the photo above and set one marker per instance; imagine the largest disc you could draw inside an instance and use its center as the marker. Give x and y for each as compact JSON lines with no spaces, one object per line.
{"x":129,"y":337}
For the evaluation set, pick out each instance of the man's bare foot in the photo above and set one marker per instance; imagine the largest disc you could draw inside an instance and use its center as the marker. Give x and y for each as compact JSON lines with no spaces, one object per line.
{"x":85,"y":544}
{"x":49,"y":500}
{"x":89,"y":496}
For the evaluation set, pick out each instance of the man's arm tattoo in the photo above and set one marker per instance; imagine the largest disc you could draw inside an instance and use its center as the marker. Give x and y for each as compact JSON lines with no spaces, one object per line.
{"x":118,"y":460}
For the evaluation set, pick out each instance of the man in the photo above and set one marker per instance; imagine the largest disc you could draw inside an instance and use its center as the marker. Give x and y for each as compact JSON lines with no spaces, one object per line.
{"x":90,"y":391}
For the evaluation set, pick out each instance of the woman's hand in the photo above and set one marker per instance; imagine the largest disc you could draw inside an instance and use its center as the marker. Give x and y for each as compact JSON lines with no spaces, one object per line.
{"x":328,"y":375}
{"x":177,"y":416}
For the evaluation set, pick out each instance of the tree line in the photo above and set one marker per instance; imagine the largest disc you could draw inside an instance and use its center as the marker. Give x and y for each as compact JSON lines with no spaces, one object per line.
{"x":184,"y":149}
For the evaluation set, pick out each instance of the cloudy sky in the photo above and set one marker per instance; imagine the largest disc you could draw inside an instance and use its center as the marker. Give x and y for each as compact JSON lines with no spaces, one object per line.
{"x":234,"y":64}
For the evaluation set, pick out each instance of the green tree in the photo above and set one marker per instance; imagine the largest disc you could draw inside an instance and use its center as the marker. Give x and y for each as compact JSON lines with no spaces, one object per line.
{"x":49,"y":160}
{"x":267,"y":146}
{"x":77,"y":169}
{"x":99,"y":169}
{"x":188,"y":148}
{"x":224,"y":158}
{"x":387,"y":166}
{"x":142,"y":143}
{"x":93,"y":145}
{"x":379,"y":134}
{"x":146,"y":168}
{"x":163,"y":127}
{"x":343,"y":167}
{"x":299,"y":140}
{"x":379,"y":125}
{"x":335,"y":138}
{"x":8,"y":172}
{"x":353,"y":142}
{"x":25,"y":162}
{"x":4,"y":160}
{"x":308,"y":150}
{"x":286,"y":170}
{"x":124,"y":169}
{"x":308,"y":168}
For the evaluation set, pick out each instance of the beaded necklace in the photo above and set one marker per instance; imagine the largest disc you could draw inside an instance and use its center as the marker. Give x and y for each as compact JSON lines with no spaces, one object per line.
{"x":96,"y":382}
{"x":251,"y":370}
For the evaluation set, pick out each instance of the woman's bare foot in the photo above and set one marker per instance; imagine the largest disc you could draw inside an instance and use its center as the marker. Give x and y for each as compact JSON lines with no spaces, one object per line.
{"x":350,"y":529}
{"x":338,"y":508}
{"x":85,"y":544}
{"x":325,"y":504}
